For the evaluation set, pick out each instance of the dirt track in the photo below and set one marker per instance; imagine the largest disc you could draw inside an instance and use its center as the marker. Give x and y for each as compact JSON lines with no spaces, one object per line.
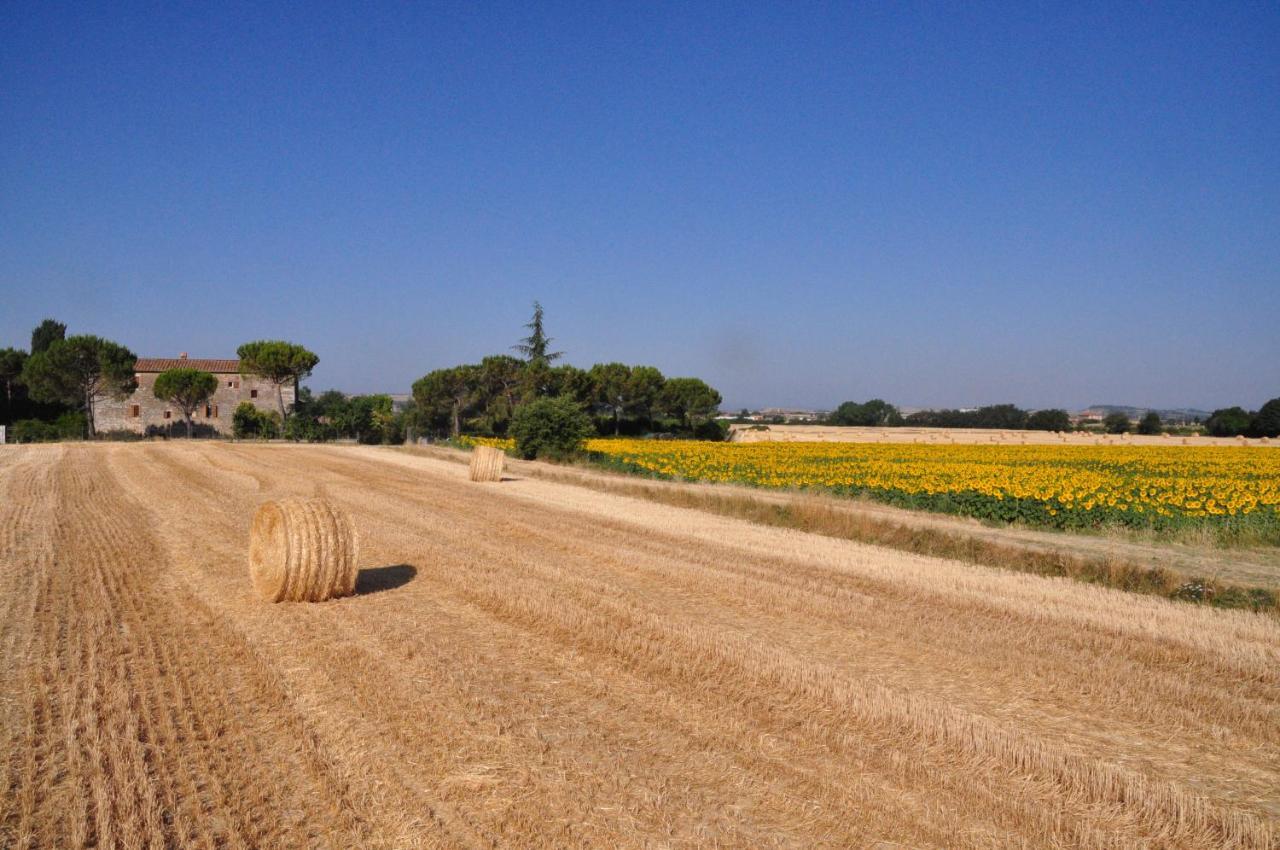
{"x":1256,"y":566}
{"x":533,"y":664}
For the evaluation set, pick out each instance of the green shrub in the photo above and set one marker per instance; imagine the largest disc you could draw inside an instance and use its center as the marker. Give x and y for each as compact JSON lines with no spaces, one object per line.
{"x":550,"y":427}
{"x":120,"y":435}
{"x":1150,"y":424}
{"x":1267,"y":422}
{"x":68,"y":426}
{"x":300,"y":429}
{"x":248,"y":422}
{"x":713,"y":430}
{"x":71,"y":426}
{"x":1228,"y":422}
{"x":1116,"y":423}
{"x":1051,"y":419}
{"x":1254,"y":598}
{"x":33,"y":431}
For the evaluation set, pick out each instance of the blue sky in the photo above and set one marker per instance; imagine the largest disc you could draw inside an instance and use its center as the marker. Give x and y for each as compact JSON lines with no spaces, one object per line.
{"x":938,"y":204}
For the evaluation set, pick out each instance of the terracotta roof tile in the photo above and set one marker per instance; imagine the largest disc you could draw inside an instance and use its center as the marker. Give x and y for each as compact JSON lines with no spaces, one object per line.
{"x":160,"y":364}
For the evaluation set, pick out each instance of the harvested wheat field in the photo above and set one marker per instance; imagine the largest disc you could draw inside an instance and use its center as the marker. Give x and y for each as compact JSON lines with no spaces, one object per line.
{"x":537,"y":664}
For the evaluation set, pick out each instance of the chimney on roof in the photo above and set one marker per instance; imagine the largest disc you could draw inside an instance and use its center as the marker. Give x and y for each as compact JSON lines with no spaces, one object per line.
{"x":182,"y":356}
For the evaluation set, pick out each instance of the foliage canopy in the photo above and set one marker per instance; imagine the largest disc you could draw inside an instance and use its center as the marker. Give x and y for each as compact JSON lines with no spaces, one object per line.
{"x":278,"y":362}
{"x":78,"y":371}
{"x":186,"y":389}
{"x":534,"y":346}
{"x":46,"y":334}
{"x":550,"y":427}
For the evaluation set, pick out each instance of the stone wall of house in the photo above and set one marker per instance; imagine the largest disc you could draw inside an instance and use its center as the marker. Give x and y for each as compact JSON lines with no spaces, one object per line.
{"x":143,"y":413}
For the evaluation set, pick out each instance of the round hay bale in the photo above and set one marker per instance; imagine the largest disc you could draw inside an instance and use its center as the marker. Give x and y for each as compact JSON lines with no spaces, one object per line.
{"x":302,"y":550}
{"x":486,"y":463}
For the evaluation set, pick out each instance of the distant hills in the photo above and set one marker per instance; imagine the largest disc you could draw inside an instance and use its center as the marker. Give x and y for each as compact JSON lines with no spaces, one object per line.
{"x":1173,"y":414}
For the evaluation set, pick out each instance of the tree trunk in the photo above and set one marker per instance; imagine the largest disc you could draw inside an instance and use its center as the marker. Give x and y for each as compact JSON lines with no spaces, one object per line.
{"x":280,"y":401}
{"x":187,"y":416}
{"x":457,"y":421}
{"x":617,"y":413}
{"x":88,"y":414}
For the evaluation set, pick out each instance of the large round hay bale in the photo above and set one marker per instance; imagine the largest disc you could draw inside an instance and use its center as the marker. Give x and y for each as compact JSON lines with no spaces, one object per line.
{"x":486,"y":463}
{"x":302,"y":550}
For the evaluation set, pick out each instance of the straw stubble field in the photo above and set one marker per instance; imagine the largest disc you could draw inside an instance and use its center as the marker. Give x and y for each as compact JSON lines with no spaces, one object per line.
{"x":536,"y":664}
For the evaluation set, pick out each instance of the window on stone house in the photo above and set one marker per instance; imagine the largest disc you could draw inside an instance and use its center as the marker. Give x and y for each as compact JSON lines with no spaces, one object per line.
{"x":208,"y":411}
{"x":167,"y":414}
{"x":135,"y":410}
{"x":253,"y":393}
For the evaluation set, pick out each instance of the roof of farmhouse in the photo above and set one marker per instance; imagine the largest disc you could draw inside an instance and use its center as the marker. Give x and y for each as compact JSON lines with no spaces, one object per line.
{"x":160,"y":364}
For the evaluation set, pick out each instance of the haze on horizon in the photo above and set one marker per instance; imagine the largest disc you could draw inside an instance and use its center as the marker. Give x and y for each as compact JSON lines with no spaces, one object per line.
{"x":800,"y":204}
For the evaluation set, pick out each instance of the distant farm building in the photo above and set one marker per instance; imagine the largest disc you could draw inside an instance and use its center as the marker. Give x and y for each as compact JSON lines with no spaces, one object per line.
{"x":788,"y":414}
{"x":143,"y":413}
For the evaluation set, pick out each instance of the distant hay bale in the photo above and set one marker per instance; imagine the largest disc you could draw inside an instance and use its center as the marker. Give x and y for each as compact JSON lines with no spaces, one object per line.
{"x":486,"y":463}
{"x":302,"y":550}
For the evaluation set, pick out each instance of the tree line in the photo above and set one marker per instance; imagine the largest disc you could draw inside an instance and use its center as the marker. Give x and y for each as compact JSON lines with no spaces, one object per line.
{"x":880,"y":413}
{"x":1227,"y":422}
{"x":1238,"y":422}
{"x":483,"y":398}
{"x":51,"y":391}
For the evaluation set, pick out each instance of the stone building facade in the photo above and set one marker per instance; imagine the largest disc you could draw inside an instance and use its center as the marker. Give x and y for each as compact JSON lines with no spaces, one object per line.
{"x":143,"y":413}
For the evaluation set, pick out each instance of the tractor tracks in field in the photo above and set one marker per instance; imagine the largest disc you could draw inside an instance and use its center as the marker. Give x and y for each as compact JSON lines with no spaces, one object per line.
{"x":565,"y":668}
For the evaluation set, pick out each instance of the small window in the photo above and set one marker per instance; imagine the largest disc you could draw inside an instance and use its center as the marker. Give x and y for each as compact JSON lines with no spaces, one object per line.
{"x":253,"y":393}
{"x":135,"y":410}
{"x":215,"y":411}
{"x":167,"y":414}
{"x":208,"y":411}
{"x":231,"y":383}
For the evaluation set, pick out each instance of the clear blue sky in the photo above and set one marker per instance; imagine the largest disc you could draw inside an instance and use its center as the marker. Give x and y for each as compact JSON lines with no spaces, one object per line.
{"x":939,"y":204}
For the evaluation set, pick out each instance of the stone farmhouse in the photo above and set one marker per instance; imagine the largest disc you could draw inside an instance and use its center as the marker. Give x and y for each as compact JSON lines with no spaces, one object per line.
{"x":143,"y":413}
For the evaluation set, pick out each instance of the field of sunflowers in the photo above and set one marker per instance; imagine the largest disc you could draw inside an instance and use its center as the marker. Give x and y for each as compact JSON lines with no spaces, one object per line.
{"x":1231,"y":489}
{"x":1059,"y":486}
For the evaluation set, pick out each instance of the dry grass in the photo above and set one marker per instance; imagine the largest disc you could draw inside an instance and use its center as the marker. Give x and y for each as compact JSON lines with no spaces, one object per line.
{"x":302,"y":550}
{"x":575,"y":668}
{"x":486,"y":463}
